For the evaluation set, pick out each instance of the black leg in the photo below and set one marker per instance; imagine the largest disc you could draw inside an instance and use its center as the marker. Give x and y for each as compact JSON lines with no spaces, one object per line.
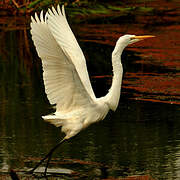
{"x":49,"y":155}
{"x":13,"y":175}
{"x":45,"y":171}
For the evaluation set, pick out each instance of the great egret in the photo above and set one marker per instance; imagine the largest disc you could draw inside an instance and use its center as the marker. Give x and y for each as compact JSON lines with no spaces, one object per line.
{"x":66,"y":78}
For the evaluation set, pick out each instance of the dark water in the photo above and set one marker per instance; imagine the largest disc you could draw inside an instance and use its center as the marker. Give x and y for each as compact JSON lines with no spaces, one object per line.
{"x":141,"y":137}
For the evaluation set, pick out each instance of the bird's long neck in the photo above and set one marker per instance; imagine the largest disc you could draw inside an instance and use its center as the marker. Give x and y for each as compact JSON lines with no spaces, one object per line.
{"x":112,"y":98}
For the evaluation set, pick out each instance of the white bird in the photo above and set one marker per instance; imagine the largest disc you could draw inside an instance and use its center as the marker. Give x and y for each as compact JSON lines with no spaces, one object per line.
{"x":66,"y":78}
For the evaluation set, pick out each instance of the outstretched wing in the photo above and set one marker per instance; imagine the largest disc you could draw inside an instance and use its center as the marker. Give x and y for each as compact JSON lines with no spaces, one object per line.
{"x":61,"y":31}
{"x":63,"y":84}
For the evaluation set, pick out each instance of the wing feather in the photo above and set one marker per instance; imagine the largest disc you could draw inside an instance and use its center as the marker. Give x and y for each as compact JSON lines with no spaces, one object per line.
{"x":64,"y":36}
{"x":63,"y":84}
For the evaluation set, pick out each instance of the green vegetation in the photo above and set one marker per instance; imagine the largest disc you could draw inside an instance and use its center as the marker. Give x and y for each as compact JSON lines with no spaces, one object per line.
{"x":76,"y":7}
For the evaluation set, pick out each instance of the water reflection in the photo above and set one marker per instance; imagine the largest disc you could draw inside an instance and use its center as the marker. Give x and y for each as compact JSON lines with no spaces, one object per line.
{"x":140,"y":138}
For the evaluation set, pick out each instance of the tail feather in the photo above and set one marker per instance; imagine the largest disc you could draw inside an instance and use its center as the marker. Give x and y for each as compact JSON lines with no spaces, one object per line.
{"x":53,"y":119}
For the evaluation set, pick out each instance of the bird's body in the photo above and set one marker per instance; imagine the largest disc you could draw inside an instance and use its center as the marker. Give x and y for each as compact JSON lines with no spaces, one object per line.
{"x":74,"y":121}
{"x":66,"y":77}
{"x":65,"y":74}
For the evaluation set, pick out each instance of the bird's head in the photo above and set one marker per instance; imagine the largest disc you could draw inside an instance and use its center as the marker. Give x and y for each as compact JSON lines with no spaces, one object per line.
{"x":125,"y":40}
{"x":130,"y":39}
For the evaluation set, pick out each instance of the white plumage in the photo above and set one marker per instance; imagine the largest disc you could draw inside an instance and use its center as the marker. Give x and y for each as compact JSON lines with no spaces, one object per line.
{"x":65,"y":73}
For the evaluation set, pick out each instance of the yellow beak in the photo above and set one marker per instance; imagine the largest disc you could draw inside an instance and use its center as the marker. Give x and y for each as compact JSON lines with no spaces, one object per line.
{"x":142,"y":37}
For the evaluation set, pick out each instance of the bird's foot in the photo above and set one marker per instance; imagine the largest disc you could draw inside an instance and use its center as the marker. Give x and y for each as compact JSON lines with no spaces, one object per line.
{"x":48,"y":157}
